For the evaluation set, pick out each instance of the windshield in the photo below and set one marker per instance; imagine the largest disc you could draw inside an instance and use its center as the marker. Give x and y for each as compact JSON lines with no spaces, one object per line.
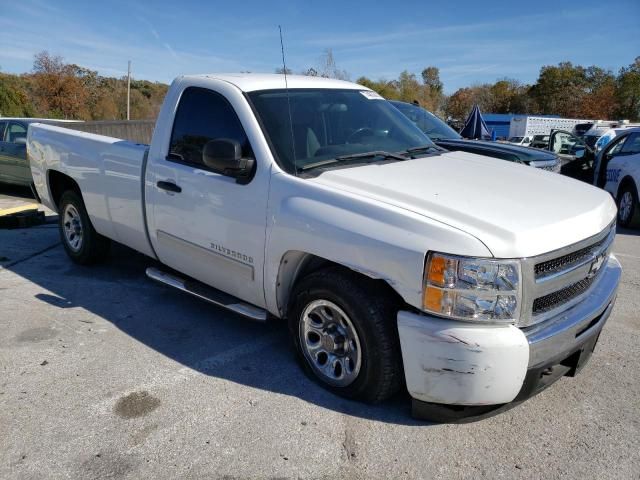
{"x":330,"y":123}
{"x":516,"y":139}
{"x":426,"y":121}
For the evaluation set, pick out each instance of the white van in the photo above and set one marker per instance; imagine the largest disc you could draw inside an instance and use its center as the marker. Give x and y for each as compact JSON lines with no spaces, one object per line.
{"x":522,"y":141}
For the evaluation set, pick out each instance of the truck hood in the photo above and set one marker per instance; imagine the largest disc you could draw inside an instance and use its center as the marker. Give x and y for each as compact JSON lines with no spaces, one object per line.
{"x":515,"y":210}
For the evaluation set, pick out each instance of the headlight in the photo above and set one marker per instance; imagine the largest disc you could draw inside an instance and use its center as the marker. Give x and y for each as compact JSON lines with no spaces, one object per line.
{"x":472,"y":289}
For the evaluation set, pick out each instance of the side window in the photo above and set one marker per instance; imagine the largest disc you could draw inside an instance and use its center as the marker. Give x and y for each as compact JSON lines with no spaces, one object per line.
{"x":616,"y":147}
{"x":632,"y":145}
{"x":3,"y":125}
{"x":204,"y":115}
{"x":15,"y":132}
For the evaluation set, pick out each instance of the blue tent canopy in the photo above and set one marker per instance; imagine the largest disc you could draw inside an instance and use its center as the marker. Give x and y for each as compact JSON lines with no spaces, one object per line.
{"x":475,"y":127}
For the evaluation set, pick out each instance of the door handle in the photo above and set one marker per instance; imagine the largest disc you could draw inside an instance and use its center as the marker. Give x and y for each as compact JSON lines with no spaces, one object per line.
{"x":169,"y":186}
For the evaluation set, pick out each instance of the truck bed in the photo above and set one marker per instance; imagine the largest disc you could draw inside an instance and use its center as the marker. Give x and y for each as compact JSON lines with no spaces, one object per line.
{"x":138,"y":131}
{"x":109,"y":171}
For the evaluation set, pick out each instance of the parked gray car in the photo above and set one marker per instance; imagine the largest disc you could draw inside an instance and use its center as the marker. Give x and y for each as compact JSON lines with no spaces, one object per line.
{"x":14,"y":167}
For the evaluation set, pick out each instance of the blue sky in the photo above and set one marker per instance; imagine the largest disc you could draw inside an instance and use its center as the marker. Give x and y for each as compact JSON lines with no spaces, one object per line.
{"x":470,"y":41}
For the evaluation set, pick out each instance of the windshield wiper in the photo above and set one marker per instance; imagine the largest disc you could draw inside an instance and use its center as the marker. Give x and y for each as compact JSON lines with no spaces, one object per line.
{"x":422,"y":148}
{"x":376,"y":153}
{"x":321,"y":163}
{"x":354,"y":156}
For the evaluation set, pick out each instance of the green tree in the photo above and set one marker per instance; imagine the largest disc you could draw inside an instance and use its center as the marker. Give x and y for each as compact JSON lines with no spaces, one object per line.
{"x":14,"y":100}
{"x":434,"y":88}
{"x":431,"y":78}
{"x":507,"y":96}
{"x":627,"y":92}
{"x":387,"y":88}
{"x":574,"y":91}
{"x":409,"y":88}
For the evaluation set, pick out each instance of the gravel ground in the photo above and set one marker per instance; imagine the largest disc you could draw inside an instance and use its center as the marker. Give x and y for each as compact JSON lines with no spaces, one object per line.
{"x":104,"y":374}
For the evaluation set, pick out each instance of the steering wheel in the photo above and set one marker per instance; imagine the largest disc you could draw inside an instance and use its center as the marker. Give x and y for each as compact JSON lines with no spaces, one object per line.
{"x":359,"y":134}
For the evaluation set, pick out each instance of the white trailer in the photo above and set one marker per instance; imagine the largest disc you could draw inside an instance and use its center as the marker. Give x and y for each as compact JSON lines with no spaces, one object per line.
{"x":529,"y":126}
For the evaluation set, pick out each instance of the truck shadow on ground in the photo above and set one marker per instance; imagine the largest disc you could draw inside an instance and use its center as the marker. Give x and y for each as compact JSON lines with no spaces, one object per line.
{"x":196,"y":334}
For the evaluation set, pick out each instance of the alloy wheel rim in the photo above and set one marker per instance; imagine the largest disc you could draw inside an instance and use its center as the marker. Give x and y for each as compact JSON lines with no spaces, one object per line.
{"x":330,"y":343}
{"x":72,"y":227}
{"x":625,"y":206}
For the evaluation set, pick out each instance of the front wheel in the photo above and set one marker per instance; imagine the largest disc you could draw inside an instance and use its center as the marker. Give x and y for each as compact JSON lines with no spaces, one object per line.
{"x":628,"y":207}
{"x":344,"y":333}
{"x":80,"y":240}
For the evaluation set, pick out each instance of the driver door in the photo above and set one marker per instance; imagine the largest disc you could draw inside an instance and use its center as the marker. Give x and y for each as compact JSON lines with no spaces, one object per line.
{"x":575,"y":156}
{"x":205,"y":224}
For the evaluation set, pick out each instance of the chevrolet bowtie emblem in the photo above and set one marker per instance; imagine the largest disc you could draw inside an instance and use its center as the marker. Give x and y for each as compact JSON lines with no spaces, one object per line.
{"x":596,"y":264}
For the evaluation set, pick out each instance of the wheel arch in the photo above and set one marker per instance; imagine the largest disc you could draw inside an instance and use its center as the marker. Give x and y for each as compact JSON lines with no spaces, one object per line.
{"x":59,"y":183}
{"x":295,"y":265}
{"x":626,"y":180}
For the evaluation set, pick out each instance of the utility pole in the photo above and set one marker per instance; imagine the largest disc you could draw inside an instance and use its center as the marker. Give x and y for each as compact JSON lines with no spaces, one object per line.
{"x":129,"y":90}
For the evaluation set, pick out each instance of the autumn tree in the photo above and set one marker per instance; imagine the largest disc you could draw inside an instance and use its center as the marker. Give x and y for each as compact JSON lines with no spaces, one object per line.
{"x":57,"y":89}
{"x":459,"y":104}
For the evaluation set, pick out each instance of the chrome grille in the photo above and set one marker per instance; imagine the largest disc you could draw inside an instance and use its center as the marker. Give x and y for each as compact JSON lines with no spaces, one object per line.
{"x":555,"y":281}
{"x":566,"y":261}
{"x":553,"y":300}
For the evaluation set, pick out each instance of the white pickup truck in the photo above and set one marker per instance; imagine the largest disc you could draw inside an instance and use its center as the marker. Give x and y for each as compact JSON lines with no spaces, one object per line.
{"x":474,"y":281}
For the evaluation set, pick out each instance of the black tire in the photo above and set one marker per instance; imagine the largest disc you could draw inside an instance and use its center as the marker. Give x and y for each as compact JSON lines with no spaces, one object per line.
{"x":632,"y":217}
{"x":93,"y":247}
{"x":372,"y":311}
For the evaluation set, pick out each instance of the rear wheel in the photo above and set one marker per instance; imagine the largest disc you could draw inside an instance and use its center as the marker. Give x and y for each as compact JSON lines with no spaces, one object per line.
{"x":628,"y":207}
{"x":80,"y":240}
{"x":344,"y":332}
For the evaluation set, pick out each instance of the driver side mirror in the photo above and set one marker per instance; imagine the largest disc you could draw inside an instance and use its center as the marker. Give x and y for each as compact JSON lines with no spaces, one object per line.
{"x":224,"y":156}
{"x":20,"y":141}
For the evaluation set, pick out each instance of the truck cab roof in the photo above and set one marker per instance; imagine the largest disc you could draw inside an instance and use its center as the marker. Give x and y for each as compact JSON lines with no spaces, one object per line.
{"x":249,"y":82}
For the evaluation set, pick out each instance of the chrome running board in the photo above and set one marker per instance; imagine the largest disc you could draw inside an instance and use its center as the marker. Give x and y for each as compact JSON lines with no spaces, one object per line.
{"x":200,"y":290}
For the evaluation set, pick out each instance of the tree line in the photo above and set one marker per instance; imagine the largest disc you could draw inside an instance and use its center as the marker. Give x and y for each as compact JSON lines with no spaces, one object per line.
{"x":568,"y":90}
{"x":55,"y":89}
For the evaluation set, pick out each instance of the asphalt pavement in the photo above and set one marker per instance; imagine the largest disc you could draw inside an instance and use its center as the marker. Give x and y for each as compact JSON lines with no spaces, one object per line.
{"x":104,"y":374}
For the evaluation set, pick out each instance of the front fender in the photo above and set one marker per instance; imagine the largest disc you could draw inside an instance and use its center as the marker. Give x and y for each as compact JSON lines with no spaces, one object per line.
{"x":376,"y":239}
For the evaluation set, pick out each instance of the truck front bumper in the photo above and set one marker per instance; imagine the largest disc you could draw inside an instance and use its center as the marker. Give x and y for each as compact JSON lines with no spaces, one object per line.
{"x":456,"y":371}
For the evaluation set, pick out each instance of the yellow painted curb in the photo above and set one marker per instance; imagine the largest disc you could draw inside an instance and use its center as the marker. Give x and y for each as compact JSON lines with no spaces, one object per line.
{"x":10,"y":211}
